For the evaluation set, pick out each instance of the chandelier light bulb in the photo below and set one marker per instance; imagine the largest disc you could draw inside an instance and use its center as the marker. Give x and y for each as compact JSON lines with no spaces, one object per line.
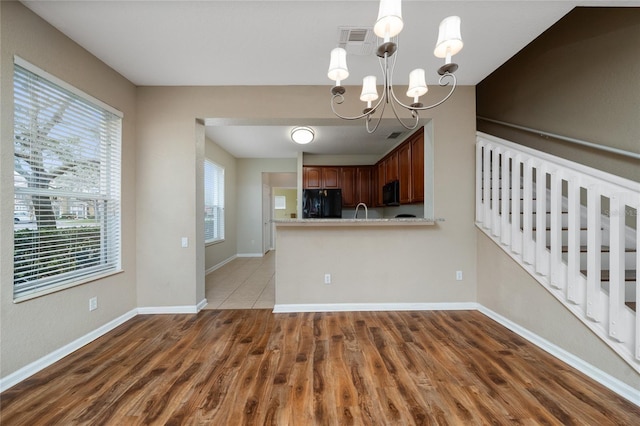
{"x":417,"y":84}
{"x":389,"y":23}
{"x":369,"y":90}
{"x":449,"y":39}
{"x":338,"y":65}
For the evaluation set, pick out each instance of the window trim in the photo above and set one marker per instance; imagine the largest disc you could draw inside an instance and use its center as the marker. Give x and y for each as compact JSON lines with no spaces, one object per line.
{"x":17,"y":60}
{"x":117,"y":267}
{"x":222,"y":239}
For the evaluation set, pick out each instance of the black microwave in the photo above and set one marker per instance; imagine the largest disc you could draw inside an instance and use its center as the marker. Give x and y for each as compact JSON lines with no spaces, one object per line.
{"x":391,"y":193}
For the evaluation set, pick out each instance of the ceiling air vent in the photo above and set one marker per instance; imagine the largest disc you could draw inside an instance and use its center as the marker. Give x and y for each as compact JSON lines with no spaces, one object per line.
{"x":394,"y":135}
{"x":359,"y":41}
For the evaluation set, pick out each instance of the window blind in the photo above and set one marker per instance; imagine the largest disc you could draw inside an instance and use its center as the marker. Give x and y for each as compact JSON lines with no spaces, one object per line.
{"x":67,"y":177}
{"x":213,"y":202}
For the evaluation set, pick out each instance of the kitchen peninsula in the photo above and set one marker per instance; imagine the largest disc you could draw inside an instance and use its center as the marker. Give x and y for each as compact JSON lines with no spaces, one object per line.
{"x":368,"y":262}
{"x":353,"y":222}
{"x":355,"y":264}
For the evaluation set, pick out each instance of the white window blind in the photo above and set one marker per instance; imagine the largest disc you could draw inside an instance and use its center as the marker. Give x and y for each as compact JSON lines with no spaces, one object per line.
{"x":213,"y":202}
{"x":67,"y":176}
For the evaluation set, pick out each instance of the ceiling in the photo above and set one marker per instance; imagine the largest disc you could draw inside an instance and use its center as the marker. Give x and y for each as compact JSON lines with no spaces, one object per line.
{"x":216,"y":43}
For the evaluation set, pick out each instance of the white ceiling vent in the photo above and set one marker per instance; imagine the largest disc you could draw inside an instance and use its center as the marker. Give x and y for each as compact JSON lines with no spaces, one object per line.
{"x":357,"y":40}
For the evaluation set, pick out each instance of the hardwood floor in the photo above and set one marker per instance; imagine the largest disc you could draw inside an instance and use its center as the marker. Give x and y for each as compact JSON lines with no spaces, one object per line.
{"x":233,"y":367}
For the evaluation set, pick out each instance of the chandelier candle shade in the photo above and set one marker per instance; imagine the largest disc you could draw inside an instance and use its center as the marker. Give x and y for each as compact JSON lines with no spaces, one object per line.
{"x":389,"y":25}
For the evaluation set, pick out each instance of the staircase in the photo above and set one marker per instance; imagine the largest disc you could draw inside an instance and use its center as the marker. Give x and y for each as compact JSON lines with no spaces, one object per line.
{"x":584,"y":246}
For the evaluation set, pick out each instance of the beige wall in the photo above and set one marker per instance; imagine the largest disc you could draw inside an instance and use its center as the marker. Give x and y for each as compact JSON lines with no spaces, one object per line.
{"x":578,"y":79}
{"x":166,"y":133}
{"x":372,"y":265}
{"x":401,"y":265}
{"x":250,"y":180}
{"x":220,"y":252}
{"x":35,"y":328}
{"x":507,"y":289}
{"x":291,"y":202}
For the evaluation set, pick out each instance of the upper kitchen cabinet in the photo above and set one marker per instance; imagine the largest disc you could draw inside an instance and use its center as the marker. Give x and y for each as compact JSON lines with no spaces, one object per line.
{"x":364,"y":182}
{"x":331,"y":177}
{"x":404,"y":173}
{"x":348,"y":182}
{"x":406,"y":165}
{"x":356,"y":184}
{"x":312,"y":178}
{"x":380,"y":180}
{"x":417,"y":167}
{"x":391,"y":167}
{"x":320,"y":177}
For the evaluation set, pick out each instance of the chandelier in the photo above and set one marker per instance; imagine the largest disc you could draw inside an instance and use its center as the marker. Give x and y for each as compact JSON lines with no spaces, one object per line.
{"x":388,"y":25}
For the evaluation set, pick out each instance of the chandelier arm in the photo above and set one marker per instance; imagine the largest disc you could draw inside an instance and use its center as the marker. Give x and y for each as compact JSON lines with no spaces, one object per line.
{"x":377,"y":122}
{"x":442,"y":82}
{"x":338,"y":98}
{"x":341,"y":100}
{"x":391,"y":96}
{"x":414,"y":114}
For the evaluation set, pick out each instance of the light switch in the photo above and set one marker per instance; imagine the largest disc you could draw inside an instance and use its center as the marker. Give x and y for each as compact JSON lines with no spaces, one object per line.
{"x":185,"y":242}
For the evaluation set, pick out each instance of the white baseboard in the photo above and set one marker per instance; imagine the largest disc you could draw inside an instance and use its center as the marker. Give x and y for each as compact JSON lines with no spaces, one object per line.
{"x":621,"y":388}
{"x":341,"y":307}
{"x":201,"y":305}
{"x":47,"y":360}
{"x":153,"y":310}
{"x":250,"y":254}
{"x":220,"y":265}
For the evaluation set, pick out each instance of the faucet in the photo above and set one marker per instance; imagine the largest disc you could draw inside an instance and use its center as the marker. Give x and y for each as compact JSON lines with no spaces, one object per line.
{"x":366,"y":211}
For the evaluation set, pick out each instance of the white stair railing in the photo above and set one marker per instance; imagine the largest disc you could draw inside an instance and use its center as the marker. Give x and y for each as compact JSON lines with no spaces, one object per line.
{"x":575,"y":229}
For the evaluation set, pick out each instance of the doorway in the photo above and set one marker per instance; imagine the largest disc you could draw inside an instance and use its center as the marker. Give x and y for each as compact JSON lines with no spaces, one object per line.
{"x":266,"y":219}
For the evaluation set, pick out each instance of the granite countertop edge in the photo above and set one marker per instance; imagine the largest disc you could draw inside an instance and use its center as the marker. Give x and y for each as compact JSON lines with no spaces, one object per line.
{"x":362,"y":222}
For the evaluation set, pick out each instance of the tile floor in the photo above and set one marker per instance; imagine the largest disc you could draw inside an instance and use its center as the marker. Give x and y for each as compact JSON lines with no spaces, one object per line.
{"x":243,"y":283}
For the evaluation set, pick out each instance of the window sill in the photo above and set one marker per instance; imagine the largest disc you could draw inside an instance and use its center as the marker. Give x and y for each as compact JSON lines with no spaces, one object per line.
{"x":61,"y":287}
{"x":212,"y":243}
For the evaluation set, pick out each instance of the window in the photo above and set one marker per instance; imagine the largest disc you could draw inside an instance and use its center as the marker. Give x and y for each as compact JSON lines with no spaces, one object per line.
{"x":67,"y":179}
{"x":213,"y":202}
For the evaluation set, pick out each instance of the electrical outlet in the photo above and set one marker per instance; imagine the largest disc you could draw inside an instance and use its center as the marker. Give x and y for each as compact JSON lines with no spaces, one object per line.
{"x":93,"y":303}
{"x":327,"y":278}
{"x":458,"y":275}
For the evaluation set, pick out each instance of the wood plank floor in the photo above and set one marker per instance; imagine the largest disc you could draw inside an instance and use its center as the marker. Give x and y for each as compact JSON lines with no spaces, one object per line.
{"x":237,"y":367}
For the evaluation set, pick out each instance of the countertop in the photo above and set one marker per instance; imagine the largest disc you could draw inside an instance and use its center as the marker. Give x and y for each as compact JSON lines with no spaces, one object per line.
{"x":355,"y":222}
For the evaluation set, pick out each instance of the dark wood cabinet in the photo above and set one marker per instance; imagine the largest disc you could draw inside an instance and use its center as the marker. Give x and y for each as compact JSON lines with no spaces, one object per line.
{"x":356,"y":184}
{"x":391,"y":167}
{"x":380,"y":181}
{"x":405,"y":164}
{"x":363,"y":184}
{"x":348,"y":185}
{"x":331,"y":177}
{"x":364,"y":180}
{"x":405,"y":173}
{"x":311,"y":177}
{"x":417,"y":168}
{"x":320,"y":177}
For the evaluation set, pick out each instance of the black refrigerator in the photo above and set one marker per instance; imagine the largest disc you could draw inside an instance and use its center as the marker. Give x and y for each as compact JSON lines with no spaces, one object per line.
{"x":321,"y":203}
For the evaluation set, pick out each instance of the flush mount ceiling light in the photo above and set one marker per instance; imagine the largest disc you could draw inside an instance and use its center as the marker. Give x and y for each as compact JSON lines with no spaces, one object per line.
{"x":302,"y":135}
{"x":388,"y":25}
